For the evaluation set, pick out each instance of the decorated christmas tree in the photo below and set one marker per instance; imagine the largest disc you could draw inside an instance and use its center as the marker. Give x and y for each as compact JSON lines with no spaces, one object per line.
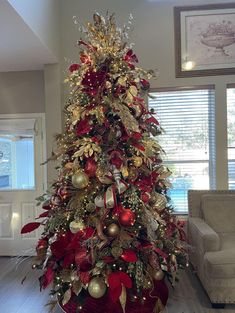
{"x":110,"y":241}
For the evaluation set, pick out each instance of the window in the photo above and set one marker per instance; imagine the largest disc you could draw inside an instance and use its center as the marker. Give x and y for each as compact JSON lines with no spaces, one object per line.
{"x":17,"y":154}
{"x":187,"y":118}
{"x":231,"y":136}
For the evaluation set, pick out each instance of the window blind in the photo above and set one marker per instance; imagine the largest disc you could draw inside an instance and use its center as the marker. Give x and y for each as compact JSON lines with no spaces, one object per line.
{"x":188,"y":121}
{"x":231,"y":136}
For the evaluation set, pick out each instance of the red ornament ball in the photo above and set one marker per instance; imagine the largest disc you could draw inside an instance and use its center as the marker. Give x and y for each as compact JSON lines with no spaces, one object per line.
{"x":126,"y":218}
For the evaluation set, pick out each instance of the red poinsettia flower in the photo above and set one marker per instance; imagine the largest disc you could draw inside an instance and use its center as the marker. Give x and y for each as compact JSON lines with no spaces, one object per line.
{"x":129,"y":256}
{"x":93,"y":79}
{"x":90,"y":167}
{"x":130,"y":56}
{"x":145,"y":183}
{"x":74,"y":67}
{"x":83,"y":127}
{"x":115,"y":281}
{"x":59,"y":247}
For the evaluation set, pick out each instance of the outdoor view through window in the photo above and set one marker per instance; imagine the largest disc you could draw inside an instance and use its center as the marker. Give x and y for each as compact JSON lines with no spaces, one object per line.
{"x":187,"y":119}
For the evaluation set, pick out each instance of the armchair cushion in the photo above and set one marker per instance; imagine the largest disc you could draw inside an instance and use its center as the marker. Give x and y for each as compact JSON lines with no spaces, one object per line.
{"x":219,"y":212}
{"x":203,"y":237}
{"x":220,"y":264}
{"x":227,"y":241}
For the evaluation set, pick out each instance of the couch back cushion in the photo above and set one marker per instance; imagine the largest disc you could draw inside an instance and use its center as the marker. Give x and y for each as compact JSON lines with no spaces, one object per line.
{"x":219,"y":212}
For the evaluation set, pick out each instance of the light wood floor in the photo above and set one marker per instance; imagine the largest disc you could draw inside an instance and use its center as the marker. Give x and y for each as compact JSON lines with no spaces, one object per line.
{"x":188,"y":296}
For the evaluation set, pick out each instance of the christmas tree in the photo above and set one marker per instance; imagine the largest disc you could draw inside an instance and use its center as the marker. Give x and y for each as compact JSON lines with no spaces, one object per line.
{"x":110,"y":240}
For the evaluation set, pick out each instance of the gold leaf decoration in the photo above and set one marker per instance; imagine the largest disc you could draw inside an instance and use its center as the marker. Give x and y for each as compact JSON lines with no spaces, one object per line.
{"x":131,"y":93}
{"x":126,"y":117}
{"x":122,"y":299}
{"x":67,"y":296}
{"x":77,"y":287}
{"x":159,"y":307}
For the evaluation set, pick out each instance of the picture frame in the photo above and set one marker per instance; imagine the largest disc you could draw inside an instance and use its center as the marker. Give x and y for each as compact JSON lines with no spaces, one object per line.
{"x":204,"y":40}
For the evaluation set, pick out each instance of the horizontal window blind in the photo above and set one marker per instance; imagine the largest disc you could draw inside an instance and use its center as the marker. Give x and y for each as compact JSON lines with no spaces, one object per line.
{"x":231,"y":136}
{"x":188,"y":122}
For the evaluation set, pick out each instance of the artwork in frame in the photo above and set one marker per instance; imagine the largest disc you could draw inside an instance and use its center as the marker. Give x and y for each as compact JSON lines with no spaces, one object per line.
{"x":205,"y":40}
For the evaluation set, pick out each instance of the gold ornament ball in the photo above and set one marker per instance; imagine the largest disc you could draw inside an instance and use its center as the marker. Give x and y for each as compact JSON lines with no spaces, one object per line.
{"x":97,"y":287}
{"x":158,"y":275}
{"x":113,"y":230}
{"x":90,"y":207}
{"x":137,"y":161}
{"x":80,"y":180}
{"x":76,"y":226}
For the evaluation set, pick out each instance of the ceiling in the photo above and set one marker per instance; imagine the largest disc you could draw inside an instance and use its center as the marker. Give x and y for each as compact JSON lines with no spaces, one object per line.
{"x":20,"y":48}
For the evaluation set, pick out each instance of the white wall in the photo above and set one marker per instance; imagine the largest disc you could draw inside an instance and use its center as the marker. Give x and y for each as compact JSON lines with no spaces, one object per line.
{"x":153,"y":33}
{"x":53,"y":113}
{"x":42,"y":16}
{"x":22,"y":92}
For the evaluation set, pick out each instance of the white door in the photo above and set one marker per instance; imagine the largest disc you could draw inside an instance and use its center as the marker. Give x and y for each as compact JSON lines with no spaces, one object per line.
{"x":21,"y":181}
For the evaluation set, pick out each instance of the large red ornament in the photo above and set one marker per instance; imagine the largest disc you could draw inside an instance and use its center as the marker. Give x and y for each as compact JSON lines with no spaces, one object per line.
{"x":126,"y":218}
{"x":90,"y":167}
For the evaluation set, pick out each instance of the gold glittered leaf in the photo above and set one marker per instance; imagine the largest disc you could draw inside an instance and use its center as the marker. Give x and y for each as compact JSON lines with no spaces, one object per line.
{"x":126,"y":117}
{"x":123,"y":298}
{"x":122,"y":81}
{"x":77,"y":287}
{"x":133,"y":90}
{"x":67,"y":296}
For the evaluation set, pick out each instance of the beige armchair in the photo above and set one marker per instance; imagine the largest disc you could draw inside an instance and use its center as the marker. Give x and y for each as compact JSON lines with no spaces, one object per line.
{"x":211,"y":233}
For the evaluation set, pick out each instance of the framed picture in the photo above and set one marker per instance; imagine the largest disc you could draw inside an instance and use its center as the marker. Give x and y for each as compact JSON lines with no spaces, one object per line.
{"x":205,"y":40}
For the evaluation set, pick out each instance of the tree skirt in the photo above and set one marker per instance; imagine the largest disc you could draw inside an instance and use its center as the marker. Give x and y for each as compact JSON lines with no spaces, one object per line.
{"x":104,"y":304}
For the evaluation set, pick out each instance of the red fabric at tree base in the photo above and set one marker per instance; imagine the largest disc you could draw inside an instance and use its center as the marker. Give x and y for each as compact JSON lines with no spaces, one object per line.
{"x":105,"y":305}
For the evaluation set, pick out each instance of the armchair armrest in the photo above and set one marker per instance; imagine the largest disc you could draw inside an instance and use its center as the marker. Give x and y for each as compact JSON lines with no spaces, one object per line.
{"x":202,"y":236}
